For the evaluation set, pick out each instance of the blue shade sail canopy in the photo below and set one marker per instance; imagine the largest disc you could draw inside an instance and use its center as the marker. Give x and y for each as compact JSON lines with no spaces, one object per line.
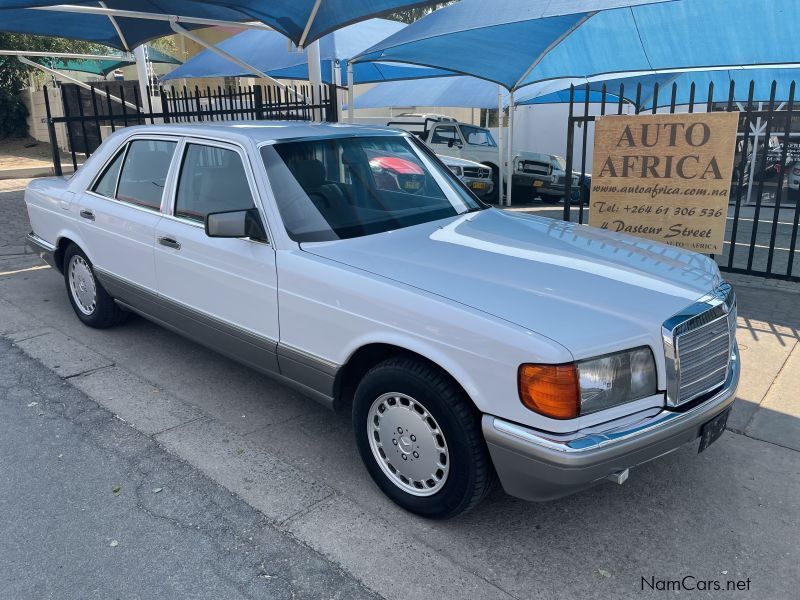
{"x":90,"y":28}
{"x":99,"y":66}
{"x":520,"y":42}
{"x":459,"y":91}
{"x":289,"y":17}
{"x":268,"y":51}
{"x":762,"y":79}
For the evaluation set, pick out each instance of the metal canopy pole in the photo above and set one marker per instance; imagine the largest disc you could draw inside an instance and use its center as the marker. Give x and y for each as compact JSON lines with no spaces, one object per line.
{"x":501,"y":172}
{"x":124,"y":56}
{"x":141,"y":73}
{"x":351,"y":97}
{"x":77,"y":82}
{"x":314,"y":65}
{"x":510,"y":161}
{"x":137,"y":14}
{"x":195,"y":38}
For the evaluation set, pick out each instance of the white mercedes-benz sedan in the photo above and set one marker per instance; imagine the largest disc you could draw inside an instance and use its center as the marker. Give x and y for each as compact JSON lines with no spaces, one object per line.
{"x":468,"y":342}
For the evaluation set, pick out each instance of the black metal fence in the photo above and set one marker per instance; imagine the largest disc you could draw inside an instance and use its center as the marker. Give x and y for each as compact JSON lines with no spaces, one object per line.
{"x":764,"y":207}
{"x":91,"y":115}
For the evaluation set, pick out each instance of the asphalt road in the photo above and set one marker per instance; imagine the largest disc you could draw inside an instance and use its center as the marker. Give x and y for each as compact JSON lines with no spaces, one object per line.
{"x":91,"y":508}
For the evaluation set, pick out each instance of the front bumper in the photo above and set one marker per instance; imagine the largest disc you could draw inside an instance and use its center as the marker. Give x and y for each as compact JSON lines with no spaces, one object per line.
{"x":535,"y":465}
{"x":42,"y":248}
{"x":480,"y":186}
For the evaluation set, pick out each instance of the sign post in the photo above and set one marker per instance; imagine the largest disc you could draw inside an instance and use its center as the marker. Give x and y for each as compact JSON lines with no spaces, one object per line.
{"x":665,"y":177}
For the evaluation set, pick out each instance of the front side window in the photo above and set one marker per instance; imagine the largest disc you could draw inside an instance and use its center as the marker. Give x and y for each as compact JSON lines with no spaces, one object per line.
{"x":212,"y":179}
{"x":478,"y":136}
{"x":144,"y":172}
{"x":348,"y":187}
{"x":445,"y":134}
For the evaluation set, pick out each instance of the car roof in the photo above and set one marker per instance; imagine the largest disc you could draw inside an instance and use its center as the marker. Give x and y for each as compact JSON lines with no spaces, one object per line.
{"x":265,"y":131}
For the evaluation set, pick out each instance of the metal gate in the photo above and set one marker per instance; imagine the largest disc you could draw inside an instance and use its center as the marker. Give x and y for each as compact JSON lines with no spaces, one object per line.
{"x":764,"y":208}
{"x":91,"y":115}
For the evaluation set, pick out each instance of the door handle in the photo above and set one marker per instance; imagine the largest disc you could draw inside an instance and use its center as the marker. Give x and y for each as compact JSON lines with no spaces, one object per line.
{"x":169,"y":243}
{"x":87,"y":214}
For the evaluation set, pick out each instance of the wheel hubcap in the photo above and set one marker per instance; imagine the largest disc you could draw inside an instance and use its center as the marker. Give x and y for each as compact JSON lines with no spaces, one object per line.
{"x":81,"y":285}
{"x":408,"y":444}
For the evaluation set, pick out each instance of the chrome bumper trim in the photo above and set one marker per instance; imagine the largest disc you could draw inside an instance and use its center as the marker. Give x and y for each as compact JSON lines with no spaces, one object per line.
{"x":44,"y":249}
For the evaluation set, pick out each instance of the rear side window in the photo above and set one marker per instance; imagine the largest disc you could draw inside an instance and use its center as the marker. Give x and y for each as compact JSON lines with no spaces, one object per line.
{"x":144,"y":172}
{"x":212,"y":179}
{"x":107,"y":184}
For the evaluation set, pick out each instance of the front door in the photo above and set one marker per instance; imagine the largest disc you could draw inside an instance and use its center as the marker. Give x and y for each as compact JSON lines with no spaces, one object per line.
{"x":446,"y":140}
{"x":221,"y":292}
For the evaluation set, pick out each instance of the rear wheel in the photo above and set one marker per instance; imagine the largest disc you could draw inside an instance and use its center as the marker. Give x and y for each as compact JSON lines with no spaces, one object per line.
{"x":420,"y":439}
{"x":89,"y":299}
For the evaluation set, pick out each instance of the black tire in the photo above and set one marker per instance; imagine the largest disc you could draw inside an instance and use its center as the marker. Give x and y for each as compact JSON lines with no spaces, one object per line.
{"x":106,"y":313}
{"x":470,"y":474}
{"x":551,"y":198}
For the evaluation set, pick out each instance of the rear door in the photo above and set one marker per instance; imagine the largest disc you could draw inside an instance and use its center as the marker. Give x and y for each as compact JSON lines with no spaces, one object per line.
{"x":120,"y":210}
{"x":222,"y":292}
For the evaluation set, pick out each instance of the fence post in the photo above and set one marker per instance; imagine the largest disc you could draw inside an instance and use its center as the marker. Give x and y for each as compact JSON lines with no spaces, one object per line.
{"x":164,"y":104}
{"x":51,"y":132}
{"x":570,"y":149}
{"x":333,"y":104}
{"x":258,"y":102}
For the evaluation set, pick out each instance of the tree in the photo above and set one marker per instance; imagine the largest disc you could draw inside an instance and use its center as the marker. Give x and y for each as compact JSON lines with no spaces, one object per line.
{"x":14,"y":75}
{"x":413,"y":14}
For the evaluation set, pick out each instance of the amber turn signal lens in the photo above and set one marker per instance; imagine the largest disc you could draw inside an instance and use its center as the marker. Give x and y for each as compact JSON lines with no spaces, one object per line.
{"x":550,"y":390}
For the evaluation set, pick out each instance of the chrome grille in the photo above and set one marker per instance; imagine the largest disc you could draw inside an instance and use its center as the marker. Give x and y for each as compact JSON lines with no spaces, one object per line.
{"x":477,"y":172}
{"x":534,"y":166}
{"x":698,"y":344}
{"x":703,"y":357}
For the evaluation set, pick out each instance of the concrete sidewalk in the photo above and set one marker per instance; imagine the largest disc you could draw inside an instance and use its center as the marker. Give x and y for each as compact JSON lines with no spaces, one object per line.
{"x":732,"y":513}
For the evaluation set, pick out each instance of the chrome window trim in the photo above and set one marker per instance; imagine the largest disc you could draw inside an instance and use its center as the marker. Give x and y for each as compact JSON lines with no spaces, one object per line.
{"x":169,"y":208}
{"x":124,"y":146}
{"x":103,"y":170}
{"x":722,"y":299}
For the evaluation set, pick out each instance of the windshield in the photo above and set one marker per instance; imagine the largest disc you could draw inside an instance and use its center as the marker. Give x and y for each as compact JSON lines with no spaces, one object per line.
{"x":339,"y":188}
{"x":477,"y":136}
{"x":559,"y":163}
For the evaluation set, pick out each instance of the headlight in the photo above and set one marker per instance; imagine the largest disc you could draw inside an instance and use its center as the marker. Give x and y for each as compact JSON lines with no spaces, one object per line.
{"x":574,"y":389}
{"x":456,"y":170}
{"x":616,"y":379}
{"x":520,"y":166}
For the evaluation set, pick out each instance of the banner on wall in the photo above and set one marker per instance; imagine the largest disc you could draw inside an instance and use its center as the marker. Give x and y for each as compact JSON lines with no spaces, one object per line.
{"x":665,"y":177}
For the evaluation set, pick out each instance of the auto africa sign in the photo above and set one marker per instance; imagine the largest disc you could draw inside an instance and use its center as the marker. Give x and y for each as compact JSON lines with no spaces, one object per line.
{"x":664,"y":177}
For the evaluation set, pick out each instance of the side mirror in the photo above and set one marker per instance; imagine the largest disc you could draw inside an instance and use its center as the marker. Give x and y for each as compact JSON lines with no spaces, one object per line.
{"x":236,"y":224}
{"x":451,"y":142}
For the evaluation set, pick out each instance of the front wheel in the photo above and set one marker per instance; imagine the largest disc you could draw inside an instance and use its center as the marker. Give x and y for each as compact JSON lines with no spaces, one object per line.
{"x":420,"y":439}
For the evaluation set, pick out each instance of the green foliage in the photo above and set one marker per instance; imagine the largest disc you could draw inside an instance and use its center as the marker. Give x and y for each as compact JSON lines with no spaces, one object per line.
{"x":413,"y":14}
{"x":14,"y":74}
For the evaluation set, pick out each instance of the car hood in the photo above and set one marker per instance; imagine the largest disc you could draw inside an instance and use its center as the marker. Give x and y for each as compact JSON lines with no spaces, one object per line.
{"x":591,"y":290}
{"x":458,"y":162}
